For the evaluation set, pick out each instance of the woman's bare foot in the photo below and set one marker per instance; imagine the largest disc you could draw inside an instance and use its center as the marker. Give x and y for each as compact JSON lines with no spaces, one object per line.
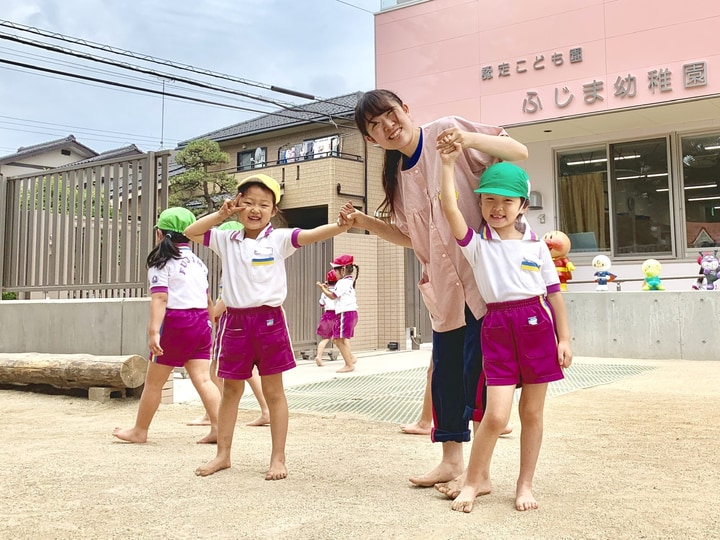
{"x":132,"y":435}
{"x":524,"y":499}
{"x":211,"y":467}
{"x":466,"y":498}
{"x":200,"y":421}
{"x":277,"y":471}
{"x":444,"y":472}
{"x":416,"y":428}
{"x":210,"y":438}
{"x":262,"y":420}
{"x":346,"y":368}
{"x":319,"y":361}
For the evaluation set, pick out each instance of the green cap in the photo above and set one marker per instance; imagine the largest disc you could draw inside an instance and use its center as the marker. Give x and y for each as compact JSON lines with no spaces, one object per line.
{"x":231,"y":226}
{"x":175,"y":219}
{"x":506,"y":180}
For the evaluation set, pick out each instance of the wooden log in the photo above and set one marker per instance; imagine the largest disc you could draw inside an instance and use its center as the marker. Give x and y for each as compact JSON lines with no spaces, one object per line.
{"x":72,"y":370}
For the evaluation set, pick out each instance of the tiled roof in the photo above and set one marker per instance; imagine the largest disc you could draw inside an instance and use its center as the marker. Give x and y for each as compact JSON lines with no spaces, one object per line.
{"x":124,"y":151}
{"x":36,"y":149}
{"x":326,"y":109}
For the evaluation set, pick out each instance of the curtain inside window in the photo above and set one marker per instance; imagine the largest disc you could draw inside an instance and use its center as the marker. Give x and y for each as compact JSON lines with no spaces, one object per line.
{"x":582,"y":203}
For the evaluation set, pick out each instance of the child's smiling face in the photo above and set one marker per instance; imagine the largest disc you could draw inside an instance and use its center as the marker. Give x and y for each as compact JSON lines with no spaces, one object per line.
{"x":257,"y":207}
{"x":500,"y":212}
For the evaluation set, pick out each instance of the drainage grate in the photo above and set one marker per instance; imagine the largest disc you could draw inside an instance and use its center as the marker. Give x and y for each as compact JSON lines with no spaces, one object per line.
{"x":397,"y":396}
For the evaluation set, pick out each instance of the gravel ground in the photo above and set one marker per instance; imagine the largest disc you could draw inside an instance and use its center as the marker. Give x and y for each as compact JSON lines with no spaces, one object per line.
{"x":633,"y":459}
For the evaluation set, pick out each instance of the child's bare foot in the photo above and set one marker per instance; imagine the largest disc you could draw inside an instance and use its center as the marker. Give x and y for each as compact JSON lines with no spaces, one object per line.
{"x":132,"y":435}
{"x":210,"y":438}
{"x":277,"y":471}
{"x":466,"y":498}
{"x":507,"y":430}
{"x":524,"y":499}
{"x":416,"y":428}
{"x":347,"y":368}
{"x":200,"y":421}
{"x":319,"y":361}
{"x":211,"y":467}
{"x":453,"y":488}
{"x":444,"y":472}
{"x":262,"y":420}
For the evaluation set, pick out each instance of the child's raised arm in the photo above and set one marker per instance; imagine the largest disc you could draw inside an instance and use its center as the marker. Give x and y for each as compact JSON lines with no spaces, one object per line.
{"x":323,"y":232}
{"x":197,"y":230}
{"x":448,"y":193}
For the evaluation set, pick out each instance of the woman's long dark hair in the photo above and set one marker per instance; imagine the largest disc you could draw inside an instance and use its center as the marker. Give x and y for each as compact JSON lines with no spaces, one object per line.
{"x":370,"y":105}
{"x":166,"y":250}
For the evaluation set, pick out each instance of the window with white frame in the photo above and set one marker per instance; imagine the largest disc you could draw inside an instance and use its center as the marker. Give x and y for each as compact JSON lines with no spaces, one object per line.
{"x":252,"y":159}
{"x":622,"y":205}
{"x":701,"y":193}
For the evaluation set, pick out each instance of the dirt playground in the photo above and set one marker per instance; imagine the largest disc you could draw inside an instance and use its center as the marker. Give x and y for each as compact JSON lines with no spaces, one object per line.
{"x":637,"y":458}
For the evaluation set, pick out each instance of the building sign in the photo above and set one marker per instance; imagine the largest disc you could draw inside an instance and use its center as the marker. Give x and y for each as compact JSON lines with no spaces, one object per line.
{"x":523,"y":65}
{"x":658,"y":81}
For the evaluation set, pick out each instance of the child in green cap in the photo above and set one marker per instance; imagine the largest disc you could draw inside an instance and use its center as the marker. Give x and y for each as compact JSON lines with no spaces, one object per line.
{"x":525,"y":335}
{"x":179,"y":331}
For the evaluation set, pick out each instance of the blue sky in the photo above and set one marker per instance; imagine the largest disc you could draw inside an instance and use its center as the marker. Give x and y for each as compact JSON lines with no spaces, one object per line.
{"x":321,"y":47}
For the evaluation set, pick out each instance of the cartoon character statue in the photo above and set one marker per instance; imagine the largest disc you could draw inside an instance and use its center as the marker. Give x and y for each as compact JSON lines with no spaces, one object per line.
{"x":709,"y":270}
{"x":652,"y":268}
{"x":559,"y":245}
{"x":603,"y":275}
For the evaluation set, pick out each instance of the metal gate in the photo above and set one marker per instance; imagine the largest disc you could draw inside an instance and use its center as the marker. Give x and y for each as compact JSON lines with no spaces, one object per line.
{"x":417,"y":316}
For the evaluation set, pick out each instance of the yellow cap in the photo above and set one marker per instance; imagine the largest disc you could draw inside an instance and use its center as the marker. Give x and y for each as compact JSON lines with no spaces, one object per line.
{"x":266,"y":181}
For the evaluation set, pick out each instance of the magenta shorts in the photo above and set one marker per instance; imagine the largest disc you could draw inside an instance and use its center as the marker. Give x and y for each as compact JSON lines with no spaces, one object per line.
{"x":185,"y":334}
{"x":345,"y":324}
{"x":519,"y":343}
{"x":254,"y":337}
{"x":216,"y":342}
{"x":326,"y":324}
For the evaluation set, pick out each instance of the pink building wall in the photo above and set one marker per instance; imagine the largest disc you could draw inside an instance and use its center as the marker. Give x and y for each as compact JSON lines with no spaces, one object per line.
{"x":433,"y":54}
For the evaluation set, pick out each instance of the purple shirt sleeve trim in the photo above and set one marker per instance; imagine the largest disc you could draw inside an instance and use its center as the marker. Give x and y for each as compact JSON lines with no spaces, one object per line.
{"x":206,"y":239}
{"x":465,"y":241}
{"x":293,"y":238}
{"x":555,"y":287}
{"x":154,"y":290}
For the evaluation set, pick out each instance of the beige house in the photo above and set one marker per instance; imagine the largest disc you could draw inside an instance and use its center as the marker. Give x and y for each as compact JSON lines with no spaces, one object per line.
{"x":43,"y":156}
{"x":322,"y":161}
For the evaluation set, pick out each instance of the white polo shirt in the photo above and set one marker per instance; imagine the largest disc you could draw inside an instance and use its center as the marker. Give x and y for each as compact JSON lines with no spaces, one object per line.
{"x":185,"y":280}
{"x":326,"y":302}
{"x":253,"y":269}
{"x":508,"y":270}
{"x":345,"y":292}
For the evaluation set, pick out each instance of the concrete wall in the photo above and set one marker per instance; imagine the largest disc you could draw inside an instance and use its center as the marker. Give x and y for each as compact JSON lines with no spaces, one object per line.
{"x":646,"y":324}
{"x":92,"y":326}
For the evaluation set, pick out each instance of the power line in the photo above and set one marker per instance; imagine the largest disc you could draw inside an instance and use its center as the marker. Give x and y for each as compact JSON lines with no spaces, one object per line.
{"x":162,"y":61}
{"x":139,"y":69}
{"x":166,"y":94}
{"x":151,"y":59}
{"x":23,"y":121}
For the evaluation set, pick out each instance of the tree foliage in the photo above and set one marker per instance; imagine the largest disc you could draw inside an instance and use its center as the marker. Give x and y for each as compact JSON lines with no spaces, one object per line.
{"x":198,"y":187}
